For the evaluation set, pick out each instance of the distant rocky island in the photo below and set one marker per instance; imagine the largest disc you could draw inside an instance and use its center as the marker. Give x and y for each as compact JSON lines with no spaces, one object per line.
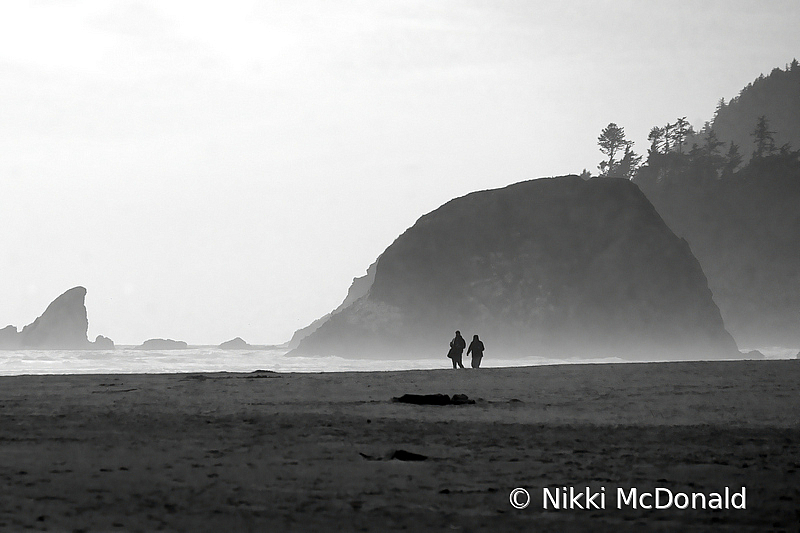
{"x":235,"y":344}
{"x":162,"y":344}
{"x":557,"y":267}
{"x":62,"y":326}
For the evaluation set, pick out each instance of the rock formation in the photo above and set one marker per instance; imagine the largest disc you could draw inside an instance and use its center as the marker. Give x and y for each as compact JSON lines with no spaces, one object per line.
{"x":745,"y":231}
{"x":740,"y":214}
{"x":62,"y":326}
{"x":358,"y":289}
{"x":550,"y":267}
{"x":235,"y":344}
{"x":302,"y":333}
{"x":162,"y":344}
{"x":103,"y":343}
{"x":9,"y":338}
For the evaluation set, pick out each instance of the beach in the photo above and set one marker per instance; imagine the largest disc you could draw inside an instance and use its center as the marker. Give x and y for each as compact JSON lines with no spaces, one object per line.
{"x":267,"y":451}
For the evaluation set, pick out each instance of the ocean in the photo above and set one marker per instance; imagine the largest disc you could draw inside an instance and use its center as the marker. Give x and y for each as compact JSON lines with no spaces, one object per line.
{"x":127,"y":360}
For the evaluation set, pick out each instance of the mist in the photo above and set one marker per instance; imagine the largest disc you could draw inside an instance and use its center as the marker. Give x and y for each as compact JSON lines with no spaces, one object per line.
{"x":212,"y":173}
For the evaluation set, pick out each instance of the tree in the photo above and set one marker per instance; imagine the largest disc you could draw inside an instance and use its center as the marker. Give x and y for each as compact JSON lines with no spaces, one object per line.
{"x":667,"y":136}
{"x":627,"y":165}
{"x":763,"y":139}
{"x":732,"y":160}
{"x":720,"y":106}
{"x":712,"y":143}
{"x":656,"y":138}
{"x":611,"y":141}
{"x":681,"y":130}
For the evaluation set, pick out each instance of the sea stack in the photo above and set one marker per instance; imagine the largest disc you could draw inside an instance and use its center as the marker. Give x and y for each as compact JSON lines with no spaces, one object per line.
{"x":557,"y":267}
{"x":162,"y":344}
{"x":235,"y":344}
{"x":62,"y":326}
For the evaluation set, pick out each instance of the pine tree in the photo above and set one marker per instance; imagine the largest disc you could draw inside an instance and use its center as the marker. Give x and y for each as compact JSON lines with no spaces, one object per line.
{"x":732,"y":160}
{"x":656,"y":138}
{"x":682,"y":129}
{"x":611,"y":141}
{"x":712,"y":143}
{"x":667,"y":136}
{"x":720,"y":106}
{"x":628,"y":164}
{"x":763,"y":139}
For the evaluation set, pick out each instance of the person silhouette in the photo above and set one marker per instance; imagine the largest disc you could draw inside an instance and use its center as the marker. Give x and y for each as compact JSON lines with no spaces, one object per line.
{"x":457,"y":346}
{"x":476,"y":347}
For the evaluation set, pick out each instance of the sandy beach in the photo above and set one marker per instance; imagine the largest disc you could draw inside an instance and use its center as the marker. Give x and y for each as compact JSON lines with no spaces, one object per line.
{"x":311,"y":452}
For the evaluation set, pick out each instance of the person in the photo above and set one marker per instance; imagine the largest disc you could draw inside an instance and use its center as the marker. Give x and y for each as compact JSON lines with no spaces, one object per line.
{"x":457,"y":346}
{"x":476,"y":348}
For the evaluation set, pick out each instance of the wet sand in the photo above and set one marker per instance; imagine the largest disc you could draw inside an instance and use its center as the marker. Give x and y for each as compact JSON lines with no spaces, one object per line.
{"x":309,"y":452}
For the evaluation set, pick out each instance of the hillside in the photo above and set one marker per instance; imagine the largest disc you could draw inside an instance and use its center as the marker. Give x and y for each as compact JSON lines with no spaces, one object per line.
{"x":745,"y":231}
{"x":740,"y":213}
{"x":776,"y":97}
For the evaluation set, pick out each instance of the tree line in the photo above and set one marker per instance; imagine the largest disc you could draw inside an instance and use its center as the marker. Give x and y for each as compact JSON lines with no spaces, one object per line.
{"x":676,"y":150}
{"x":667,"y":154}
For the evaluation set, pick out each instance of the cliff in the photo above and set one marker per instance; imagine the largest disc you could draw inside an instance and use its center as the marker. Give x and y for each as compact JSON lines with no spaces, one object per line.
{"x":551,"y":267}
{"x":358,"y":288}
{"x":62,"y":326}
{"x":745,"y":231}
{"x":740,"y":214}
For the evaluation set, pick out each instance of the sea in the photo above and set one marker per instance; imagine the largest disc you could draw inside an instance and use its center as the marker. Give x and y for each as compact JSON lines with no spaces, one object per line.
{"x":129,"y":360}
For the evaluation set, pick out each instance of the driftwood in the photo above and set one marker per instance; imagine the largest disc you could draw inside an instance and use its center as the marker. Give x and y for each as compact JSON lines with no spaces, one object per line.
{"x":434,"y":399}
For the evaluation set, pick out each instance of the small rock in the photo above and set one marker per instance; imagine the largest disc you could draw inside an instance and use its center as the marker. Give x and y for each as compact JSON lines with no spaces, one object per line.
{"x":461,"y":399}
{"x":424,"y":399}
{"x":403,"y":455}
{"x":235,"y":344}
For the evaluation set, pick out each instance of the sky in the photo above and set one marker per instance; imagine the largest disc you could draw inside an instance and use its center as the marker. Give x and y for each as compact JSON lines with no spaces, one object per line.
{"x":210,"y":170}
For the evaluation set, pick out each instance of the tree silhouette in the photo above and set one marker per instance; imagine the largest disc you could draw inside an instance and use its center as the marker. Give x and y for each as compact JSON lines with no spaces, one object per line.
{"x":628,"y":164}
{"x":611,"y":141}
{"x":712,"y":143}
{"x":763,"y":139}
{"x":656,"y":138}
{"x":732,"y":160}
{"x":667,"y":135}
{"x":720,"y":107}
{"x":681,"y":130}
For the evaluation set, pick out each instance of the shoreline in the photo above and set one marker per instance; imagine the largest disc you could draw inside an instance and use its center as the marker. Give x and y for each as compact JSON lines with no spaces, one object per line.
{"x":131,"y":362}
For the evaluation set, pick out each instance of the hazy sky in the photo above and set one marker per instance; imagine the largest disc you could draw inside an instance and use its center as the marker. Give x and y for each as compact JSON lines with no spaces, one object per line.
{"x":213,"y":170}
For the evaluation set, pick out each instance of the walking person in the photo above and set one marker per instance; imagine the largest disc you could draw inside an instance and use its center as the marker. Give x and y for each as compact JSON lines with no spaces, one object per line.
{"x":476,"y":348}
{"x":457,"y":346}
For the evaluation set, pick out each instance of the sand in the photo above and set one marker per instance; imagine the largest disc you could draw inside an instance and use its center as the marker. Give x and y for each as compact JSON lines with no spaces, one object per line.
{"x":309,"y":452}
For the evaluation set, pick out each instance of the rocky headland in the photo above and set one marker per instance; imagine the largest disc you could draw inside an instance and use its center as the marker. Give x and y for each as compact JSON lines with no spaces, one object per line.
{"x":732,"y":190}
{"x":358,"y":289}
{"x":551,"y":267}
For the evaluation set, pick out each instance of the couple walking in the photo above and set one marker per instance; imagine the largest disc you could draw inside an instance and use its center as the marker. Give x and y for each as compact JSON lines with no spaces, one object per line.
{"x":457,"y":346}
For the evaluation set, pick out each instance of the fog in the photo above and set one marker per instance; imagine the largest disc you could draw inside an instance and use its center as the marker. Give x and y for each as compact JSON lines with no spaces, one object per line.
{"x":212,"y":173}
